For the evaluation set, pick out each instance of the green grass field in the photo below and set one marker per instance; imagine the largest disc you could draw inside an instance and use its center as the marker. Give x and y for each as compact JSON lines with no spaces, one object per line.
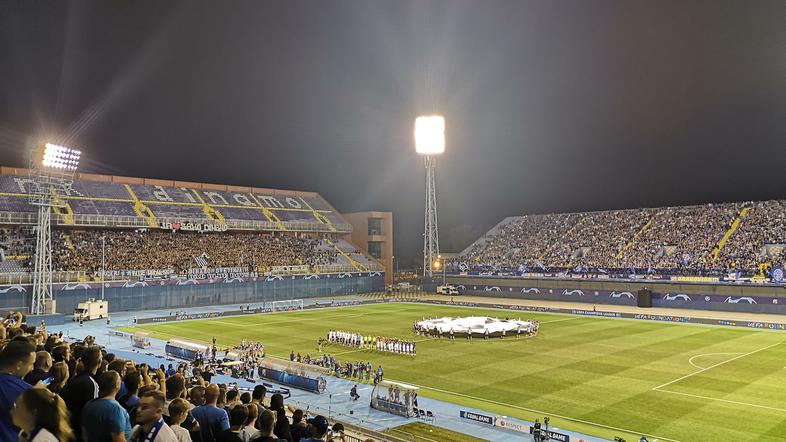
{"x":421,"y":432}
{"x":605,"y":377}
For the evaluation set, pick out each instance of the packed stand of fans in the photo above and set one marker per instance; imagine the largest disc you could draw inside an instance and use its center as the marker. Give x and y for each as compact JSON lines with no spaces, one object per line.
{"x":156,"y":249}
{"x":55,"y":391}
{"x":764,"y":224}
{"x":671,"y":240}
{"x":17,"y":246}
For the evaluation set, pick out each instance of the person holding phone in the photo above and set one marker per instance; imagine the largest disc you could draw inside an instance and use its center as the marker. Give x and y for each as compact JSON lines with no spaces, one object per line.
{"x":336,"y":433}
{"x":59,"y":377}
{"x":43,"y":362}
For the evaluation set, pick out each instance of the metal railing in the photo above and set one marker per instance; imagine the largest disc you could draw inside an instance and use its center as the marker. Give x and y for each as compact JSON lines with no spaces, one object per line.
{"x":83,"y":220}
{"x":57,"y":277}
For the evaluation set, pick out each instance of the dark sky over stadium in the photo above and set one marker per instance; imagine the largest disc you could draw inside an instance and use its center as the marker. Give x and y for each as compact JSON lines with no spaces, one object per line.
{"x":550,"y":106}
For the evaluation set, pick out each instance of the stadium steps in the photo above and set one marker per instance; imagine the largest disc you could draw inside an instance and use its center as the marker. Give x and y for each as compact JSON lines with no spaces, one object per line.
{"x":320,"y":217}
{"x":357,"y":265}
{"x":141,"y":209}
{"x":725,"y":238}
{"x":62,"y":208}
{"x":638,"y":234}
{"x":209,"y":211}
{"x":269,"y":214}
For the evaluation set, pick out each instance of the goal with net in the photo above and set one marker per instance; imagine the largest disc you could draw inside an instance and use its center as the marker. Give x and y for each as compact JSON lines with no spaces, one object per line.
{"x":285,"y":306}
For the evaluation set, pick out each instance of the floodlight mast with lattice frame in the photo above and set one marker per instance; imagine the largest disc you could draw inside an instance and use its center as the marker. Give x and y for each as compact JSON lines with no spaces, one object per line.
{"x":52,"y":169}
{"x":430,"y":142}
{"x":286,"y":305}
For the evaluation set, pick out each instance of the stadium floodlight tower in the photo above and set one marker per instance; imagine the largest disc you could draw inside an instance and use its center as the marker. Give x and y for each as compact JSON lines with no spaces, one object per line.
{"x":52,"y":170}
{"x":430,"y":142}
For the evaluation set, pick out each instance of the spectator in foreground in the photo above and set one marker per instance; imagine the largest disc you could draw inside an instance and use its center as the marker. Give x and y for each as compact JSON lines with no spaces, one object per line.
{"x":298,"y":430}
{"x":16,"y":361}
{"x":250,"y":428}
{"x":83,"y":388}
{"x":150,"y":417}
{"x":43,"y":362}
{"x":282,"y":423}
{"x":178,"y":410}
{"x":42,"y":416}
{"x":317,"y":427}
{"x":104,"y":419}
{"x":258,"y":397}
{"x":59,"y":373}
{"x":337,"y":434}
{"x":212,"y":420}
{"x":266,"y":423}
{"x":237,"y":419}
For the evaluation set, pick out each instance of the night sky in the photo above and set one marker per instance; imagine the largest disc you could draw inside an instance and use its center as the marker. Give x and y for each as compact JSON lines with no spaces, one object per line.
{"x":551,"y":106}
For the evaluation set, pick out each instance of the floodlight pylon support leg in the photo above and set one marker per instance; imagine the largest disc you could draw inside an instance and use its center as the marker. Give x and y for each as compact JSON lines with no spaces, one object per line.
{"x":42,"y":276}
{"x":431,"y":232}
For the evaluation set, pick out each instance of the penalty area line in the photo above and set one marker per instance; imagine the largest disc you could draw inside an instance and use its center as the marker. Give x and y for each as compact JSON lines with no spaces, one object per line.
{"x":723,"y":400}
{"x":690,"y":361}
{"x":715,"y":365}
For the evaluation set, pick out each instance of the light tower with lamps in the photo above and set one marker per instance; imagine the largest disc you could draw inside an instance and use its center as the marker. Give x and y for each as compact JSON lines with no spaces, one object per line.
{"x":52,"y":169}
{"x":430,"y":142}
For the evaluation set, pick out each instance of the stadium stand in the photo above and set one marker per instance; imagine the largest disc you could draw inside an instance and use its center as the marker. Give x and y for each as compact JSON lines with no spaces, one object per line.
{"x":259,"y":229}
{"x":140,"y":250}
{"x":132,"y":202}
{"x":712,"y":239}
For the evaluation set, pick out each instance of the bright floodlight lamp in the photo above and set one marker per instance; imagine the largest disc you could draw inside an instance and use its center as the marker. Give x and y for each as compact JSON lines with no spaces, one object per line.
{"x":430,"y":135}
{"x":60,"y":158}
{"x":436,"y":265}
{"x":430,"y":142}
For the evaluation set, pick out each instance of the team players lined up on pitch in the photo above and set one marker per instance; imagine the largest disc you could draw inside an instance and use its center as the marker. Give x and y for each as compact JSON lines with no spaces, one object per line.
{"x":379,"y":343}
{"x":55,"y":391}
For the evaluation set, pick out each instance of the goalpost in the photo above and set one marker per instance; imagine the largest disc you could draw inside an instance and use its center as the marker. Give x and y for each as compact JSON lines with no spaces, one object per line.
{"x":287,"y":305}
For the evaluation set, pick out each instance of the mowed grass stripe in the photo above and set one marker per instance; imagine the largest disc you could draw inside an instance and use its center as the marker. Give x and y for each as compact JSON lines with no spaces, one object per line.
{"x":598,"y":371}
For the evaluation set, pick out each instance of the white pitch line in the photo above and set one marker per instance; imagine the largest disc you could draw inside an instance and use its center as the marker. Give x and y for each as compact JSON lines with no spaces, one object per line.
{"x":723,"y":400}
{"x":320,"y":318}
{"x":716,"y":365}
{"x":560,"y":320}
{"x":532,"y":410}
{"x":690,"y":361}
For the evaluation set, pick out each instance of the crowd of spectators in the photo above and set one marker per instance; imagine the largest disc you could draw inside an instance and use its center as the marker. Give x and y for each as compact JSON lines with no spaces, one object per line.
{"x":670,"y":240}
{"x":159,"y":249}
{"x":17,"y":243}
{"x":764,"y":225}
{"x":53,"y":390}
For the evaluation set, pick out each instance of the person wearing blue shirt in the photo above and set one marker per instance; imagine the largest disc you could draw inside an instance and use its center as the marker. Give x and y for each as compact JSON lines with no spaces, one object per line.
{"x":212,"y":420}
{"x":104,"y":419}
{"x":16,"y":361}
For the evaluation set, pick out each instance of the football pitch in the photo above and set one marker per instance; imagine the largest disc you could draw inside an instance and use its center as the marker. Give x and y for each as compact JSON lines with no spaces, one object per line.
{"x":599,"y":376}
